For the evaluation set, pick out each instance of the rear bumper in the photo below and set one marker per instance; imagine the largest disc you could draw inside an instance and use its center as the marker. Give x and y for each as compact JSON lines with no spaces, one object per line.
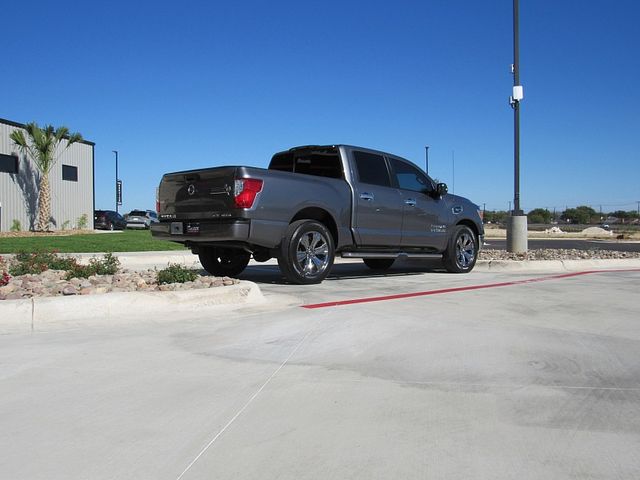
{"x":137,"y":225}
{"x":262,"y":233}
{"x":209,"y":232}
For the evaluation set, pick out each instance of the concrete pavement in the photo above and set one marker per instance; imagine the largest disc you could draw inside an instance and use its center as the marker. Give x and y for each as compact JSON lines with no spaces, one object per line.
{"x":532,"y":381}
{"x":41,"y":314}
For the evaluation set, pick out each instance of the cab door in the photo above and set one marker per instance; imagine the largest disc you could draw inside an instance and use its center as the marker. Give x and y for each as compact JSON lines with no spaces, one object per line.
{"x":377,"y":204}
{"x":425,"y":216}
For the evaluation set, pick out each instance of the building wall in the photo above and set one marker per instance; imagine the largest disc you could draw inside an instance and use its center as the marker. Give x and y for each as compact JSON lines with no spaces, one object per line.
{"x":69,"y":200}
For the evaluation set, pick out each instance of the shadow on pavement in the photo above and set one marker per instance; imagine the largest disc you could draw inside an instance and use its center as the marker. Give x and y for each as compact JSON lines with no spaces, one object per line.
{"x":270,"y":274}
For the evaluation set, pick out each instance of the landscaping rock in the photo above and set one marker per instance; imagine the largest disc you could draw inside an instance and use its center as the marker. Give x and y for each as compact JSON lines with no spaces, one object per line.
{"x":69,"y":290}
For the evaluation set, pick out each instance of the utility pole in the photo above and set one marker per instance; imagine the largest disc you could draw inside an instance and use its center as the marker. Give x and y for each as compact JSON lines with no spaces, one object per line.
{"x":426,"y":154}
{"x":453,"y":168}
{"x":118,"y":184}
{"x":517,"y":222}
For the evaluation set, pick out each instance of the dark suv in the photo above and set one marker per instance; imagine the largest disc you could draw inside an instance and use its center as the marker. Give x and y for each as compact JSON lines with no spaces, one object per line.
{"x":108,"y":220}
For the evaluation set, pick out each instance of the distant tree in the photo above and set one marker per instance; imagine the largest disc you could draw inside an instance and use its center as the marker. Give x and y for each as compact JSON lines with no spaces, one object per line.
{"x":42,"y":146}
{"x":495,"y":216}
{"x":580,"y":215}
{"x":620,"y":215}
{"x":539,"y":215}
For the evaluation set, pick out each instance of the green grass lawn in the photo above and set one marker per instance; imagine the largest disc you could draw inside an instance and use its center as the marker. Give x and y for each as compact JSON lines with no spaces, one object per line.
{"x":126,"y":241}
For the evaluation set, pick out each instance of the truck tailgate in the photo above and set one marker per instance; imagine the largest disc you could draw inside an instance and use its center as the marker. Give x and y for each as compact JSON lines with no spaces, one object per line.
{"x":197,"y":193}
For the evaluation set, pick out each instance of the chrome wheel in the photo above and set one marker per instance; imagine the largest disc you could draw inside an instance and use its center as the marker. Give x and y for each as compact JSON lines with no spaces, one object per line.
{"x":465,"y":250}
{"x":462,"y":250}
{"x":312,"y":254}
{"x":306,"y":253}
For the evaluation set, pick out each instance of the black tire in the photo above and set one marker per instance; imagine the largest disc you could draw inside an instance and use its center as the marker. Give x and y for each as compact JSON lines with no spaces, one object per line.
{"x":462,"y":250}
{"x":306,"y":252}
{"x":224,"y":262}
{"x":379,"y":263}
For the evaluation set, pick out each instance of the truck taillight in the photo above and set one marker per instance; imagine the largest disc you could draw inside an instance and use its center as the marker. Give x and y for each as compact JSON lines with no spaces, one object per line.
{"x":245,"y":191}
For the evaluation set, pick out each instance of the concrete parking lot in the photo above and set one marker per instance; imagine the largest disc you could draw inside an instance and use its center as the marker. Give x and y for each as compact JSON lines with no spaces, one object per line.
{"x":485,"y":376}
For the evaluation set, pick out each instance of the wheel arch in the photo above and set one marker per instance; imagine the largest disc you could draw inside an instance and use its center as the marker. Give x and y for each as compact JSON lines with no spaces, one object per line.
{"x":320,"y":215}
{"x":472,"y":226}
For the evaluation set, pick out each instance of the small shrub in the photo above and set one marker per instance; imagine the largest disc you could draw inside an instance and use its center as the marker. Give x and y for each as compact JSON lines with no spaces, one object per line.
{"x":37,"y":262}
{"x":4,"y":276}
{"x":33,"y":263}
{"x":176,"y":273}
{"x":16,"y":226}
{"x":65,"y":225}
{"x":82,"y":222}
{"x":108,"y":265}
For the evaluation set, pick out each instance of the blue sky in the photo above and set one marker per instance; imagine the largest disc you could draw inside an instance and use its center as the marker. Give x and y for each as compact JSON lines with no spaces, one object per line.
{"x":176,"y":86}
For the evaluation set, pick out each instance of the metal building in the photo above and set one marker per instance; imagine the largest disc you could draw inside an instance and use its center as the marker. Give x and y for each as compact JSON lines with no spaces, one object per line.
{"x":71,"y":179}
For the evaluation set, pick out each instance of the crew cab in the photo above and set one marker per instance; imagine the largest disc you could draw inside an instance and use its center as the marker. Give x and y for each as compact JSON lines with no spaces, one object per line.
{"x":312,"y":204}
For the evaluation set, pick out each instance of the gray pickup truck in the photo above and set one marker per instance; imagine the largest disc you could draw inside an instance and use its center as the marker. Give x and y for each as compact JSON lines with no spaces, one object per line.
{"x":313,"y":203}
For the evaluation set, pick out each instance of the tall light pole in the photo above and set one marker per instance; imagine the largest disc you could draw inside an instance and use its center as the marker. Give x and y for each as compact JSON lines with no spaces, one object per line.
{"x":453,"y":170}
{"x":118,"y":187}
{"x":515,"y":103}
{"x":517,"y":222}
{"x":426,"y":155}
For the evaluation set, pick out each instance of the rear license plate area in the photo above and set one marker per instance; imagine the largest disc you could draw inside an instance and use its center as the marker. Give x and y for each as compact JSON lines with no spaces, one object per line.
{"x":192,"y":228}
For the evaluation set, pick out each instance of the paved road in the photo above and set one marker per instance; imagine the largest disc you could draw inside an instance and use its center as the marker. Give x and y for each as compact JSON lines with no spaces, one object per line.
{"x":512,"y":380}
{"x":535,"y":243}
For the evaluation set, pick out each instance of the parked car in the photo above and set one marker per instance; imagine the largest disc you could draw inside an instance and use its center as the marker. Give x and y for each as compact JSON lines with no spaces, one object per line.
{"x":108,"y":220}
{"x":141,"y":218}
{"x":313,"y":203}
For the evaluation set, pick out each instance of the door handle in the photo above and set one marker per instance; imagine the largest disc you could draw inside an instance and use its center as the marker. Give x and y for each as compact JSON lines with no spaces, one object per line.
{"x":367,"y":196}
{"x":410,"y":201}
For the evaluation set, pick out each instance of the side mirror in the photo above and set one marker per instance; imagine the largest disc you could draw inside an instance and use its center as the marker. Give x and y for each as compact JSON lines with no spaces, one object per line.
{"x":441,"y":189}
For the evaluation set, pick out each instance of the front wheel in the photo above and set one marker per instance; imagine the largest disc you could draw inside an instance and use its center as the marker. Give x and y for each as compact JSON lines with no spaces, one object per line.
{"x":306,"y":252}
{"x":224,"y":262}
{"x":462,"y":250}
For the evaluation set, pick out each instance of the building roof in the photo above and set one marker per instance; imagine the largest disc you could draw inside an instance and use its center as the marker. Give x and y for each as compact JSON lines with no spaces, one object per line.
{"x":22,"y":125}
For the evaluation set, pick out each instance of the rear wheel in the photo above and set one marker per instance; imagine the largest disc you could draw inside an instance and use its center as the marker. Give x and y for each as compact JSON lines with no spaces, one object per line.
{"x":224,"y":262}
{"x":306,"y":252}
{"x":379,"y":263}
{"x":462,"y":250}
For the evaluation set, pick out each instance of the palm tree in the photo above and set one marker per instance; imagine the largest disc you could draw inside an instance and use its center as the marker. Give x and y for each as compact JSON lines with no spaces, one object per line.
{"x":43,"y":148}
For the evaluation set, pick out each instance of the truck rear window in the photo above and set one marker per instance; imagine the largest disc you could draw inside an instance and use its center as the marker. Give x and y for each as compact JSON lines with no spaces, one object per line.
{"x":309,"y":162}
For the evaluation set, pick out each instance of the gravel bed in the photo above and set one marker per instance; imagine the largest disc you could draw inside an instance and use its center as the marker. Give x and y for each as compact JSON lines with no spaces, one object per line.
{"x":52,"y":283}
{"x":556,"y":254}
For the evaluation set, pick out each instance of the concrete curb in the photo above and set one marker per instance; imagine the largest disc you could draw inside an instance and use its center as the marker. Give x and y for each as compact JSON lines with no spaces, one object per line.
{"x":557,"y":266}
{"x":40,"y":314}
{"x":47,"y":313}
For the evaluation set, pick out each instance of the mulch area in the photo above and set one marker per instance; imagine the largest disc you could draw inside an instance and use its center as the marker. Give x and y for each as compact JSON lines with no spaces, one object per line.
{"x":57,"y":233}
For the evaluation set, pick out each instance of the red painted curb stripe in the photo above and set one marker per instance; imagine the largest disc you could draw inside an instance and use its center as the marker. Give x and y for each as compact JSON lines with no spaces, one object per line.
{"x":463,"y":289}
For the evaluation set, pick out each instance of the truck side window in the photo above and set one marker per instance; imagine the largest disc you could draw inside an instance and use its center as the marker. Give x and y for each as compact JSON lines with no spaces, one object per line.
{"x":410,"y":178}
{"x":372,"y":169}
